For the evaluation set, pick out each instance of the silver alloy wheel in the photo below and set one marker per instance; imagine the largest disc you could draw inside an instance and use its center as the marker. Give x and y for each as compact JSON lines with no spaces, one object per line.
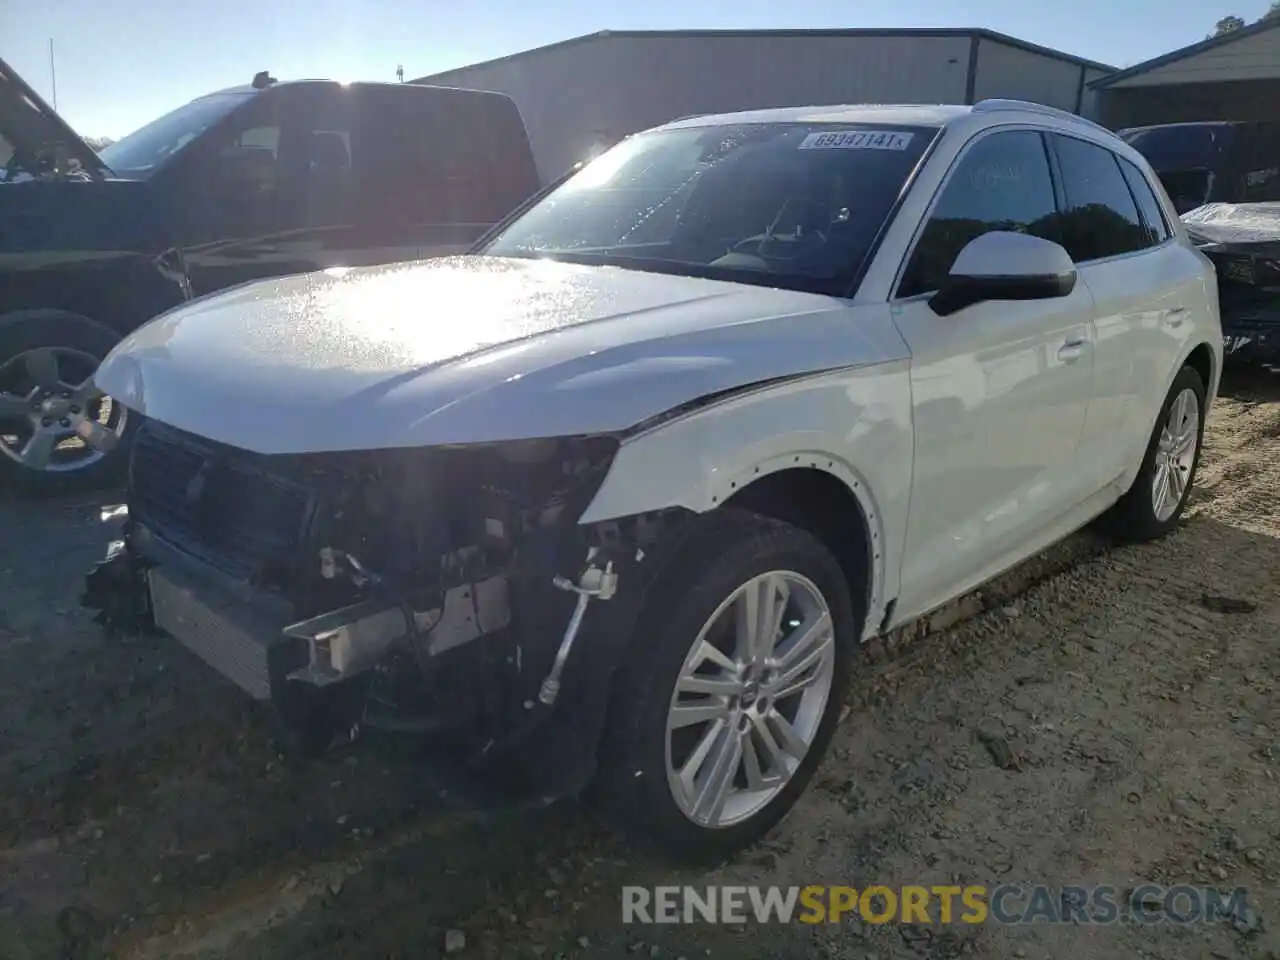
{"x":51,"y":424}
{"x":1175,"y":454}
{"x":742,"y":719}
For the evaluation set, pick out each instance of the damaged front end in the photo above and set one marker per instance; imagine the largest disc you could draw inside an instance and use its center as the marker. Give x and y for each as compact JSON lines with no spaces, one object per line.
{"x":1243,"y":241}
{"x":447,"y":592}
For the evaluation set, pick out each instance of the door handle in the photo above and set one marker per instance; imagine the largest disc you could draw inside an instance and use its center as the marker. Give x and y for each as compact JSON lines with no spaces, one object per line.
{"x":1071,"y":350}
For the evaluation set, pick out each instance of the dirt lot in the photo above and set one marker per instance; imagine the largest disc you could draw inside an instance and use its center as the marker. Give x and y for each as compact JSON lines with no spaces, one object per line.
{"x":144,"y":811}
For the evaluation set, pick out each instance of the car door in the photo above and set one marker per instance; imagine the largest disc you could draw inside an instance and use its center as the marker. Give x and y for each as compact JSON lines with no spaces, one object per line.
{"x":1112,"y":226}
{"x":1000,"y":390}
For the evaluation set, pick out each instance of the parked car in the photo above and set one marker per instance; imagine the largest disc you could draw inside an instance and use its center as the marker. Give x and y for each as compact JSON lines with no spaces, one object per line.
{"x":1224,"y":178}
{"x":614,"y":499}
{"x":244,"y":184}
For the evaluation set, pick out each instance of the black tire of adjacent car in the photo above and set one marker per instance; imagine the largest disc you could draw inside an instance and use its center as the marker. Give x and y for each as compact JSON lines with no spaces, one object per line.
{"x":631,"y":785}
{"x":1133,"y":517}
{"x":30,"y":329}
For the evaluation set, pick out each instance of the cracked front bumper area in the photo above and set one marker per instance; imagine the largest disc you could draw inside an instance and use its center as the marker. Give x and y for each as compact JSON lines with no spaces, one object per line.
{"x":1251,"y":341}
{"x":1251,"y":328}
{"x":500,"y":711}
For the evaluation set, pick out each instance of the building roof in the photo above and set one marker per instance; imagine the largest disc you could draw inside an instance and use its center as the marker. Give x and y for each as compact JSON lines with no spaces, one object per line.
{"x":1183,"y":53}
{"x":967,"y":32}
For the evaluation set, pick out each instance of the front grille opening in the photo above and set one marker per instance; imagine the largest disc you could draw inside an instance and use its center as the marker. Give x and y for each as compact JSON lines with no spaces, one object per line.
{"x":219,"y":503}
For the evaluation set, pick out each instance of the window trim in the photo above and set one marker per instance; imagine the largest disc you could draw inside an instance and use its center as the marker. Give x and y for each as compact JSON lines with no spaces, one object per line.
{"x":908,"y":184}
{"x":1053,"y":150}
{"x":959,"y":158}
{"x":1164,"y":221}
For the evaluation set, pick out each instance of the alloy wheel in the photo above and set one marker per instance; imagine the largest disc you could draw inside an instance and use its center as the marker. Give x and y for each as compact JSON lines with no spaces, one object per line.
{"x":52,"y":417}
{"x":749,"y":699}
{"x":1175,"y":454}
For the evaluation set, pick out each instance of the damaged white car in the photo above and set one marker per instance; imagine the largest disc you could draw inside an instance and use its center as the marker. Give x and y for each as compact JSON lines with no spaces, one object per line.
{"x":613,"y":500}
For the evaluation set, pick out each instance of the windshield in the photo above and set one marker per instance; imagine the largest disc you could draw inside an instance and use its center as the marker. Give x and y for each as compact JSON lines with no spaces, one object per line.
{"x":787,"y":204}
{"x":1189,"y":159}
{"x":144,"y":150}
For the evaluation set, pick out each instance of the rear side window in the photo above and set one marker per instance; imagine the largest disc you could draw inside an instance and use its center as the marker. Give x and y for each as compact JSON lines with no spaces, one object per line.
{"x":485,"y":153}
{"x":442,"y":156}
{"x":1100,"y":218}
{"x":1152,"y":215}
{"x":1001,"y":182}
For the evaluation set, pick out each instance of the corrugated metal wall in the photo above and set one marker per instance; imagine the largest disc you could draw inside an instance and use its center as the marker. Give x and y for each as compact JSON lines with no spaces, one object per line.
{"x":1255,"y":57}
{"x":1006,"y":71}
{"x":593,"y":91}
{"x":577,"y":94}
{"x":1177,"y":103}
{"x":1090,"y":105}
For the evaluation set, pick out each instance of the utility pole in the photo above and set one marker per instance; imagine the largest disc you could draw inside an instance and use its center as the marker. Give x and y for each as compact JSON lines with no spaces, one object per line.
{"x":400,"y":72}
{"x":53,"y":76}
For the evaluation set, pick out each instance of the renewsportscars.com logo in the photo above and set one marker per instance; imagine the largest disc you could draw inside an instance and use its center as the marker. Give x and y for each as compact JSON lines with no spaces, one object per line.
{"x":877,"y":904}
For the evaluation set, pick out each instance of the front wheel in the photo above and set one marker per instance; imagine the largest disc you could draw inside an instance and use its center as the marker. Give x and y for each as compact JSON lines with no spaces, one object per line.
{"x":1154,"y":504}
{"x":732,"y":689}
{"x":58,"y":432}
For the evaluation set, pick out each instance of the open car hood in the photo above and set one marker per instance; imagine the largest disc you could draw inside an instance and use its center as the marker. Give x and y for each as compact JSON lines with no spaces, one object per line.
{"x":34,"y":130}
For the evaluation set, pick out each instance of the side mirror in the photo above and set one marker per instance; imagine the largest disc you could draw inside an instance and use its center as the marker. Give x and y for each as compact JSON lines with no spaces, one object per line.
{"x":1005,"y":266}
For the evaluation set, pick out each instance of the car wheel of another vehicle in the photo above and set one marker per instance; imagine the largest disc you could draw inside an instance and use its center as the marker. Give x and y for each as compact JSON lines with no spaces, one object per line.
{"x":732,"y":688}
{"x":58,"y":432}
{"x":1154,"y":504}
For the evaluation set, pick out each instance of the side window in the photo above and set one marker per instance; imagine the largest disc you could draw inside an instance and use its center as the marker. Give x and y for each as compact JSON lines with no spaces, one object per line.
{"x":239,"y":178}
{"x":1100,"y":218}
{"x":484,"y":154}
{"x":246,"y":158}
{"x":1001,"y":182}
{"x":327,"y":172}
{"x":401,"y":180}
{"x":1152,"y":216}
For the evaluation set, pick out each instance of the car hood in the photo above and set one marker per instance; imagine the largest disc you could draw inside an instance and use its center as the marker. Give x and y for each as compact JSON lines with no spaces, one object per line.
{"x":466,"y":349}
{"x":32,"y":127}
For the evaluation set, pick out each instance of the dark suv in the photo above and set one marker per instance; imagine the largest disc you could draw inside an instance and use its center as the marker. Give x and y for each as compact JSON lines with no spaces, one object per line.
{"x":1224,"y":180}
{"x":244,"y":184}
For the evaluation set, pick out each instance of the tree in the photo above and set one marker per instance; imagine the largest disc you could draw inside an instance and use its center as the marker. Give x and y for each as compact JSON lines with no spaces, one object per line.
{"x":1273,"y":13}
{"x":97,"y":143}
{"x":1228,"y":25}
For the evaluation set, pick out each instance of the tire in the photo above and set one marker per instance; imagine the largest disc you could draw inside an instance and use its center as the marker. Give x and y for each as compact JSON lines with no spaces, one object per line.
{"x":632,"y":785}
{"x":80,"y":344}
{"x":1135,"y":518}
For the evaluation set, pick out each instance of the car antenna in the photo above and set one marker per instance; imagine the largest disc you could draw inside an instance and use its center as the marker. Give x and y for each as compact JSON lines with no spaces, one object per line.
{"x":263,"y":79}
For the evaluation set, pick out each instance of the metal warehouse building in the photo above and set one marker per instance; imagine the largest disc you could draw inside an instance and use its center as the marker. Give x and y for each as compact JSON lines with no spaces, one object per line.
{"x":1232,"y":77}
{"x":582,"y":94}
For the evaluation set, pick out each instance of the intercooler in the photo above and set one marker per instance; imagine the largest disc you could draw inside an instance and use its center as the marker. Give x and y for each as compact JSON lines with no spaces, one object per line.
{"x":221,"y":631}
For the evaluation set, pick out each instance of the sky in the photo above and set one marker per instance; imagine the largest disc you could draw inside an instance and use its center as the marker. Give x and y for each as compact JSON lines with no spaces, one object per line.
{"x":121,"y":65}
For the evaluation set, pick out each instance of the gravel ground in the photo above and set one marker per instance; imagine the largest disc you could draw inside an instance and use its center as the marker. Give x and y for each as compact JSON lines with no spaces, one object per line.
{"x":1086,"y":719}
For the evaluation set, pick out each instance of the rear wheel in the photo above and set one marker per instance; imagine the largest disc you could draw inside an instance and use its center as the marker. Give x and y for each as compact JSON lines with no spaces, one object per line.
{"x":1154,"y":504}
{"x":732,"y":689}
{"x":58,"y":432}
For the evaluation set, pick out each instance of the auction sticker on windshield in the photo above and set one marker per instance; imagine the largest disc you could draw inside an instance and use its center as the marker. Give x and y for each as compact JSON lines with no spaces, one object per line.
{"x":857,"y":140}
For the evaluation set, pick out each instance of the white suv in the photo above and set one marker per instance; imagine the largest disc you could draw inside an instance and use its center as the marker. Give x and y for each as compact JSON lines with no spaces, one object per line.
{"x":614,"y":499}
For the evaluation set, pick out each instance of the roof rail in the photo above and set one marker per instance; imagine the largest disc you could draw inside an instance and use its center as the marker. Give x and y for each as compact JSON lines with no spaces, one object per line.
{"x":994,"y":104}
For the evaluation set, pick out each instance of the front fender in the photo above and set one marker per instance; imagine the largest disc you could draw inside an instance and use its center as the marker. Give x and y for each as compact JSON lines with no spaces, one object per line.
{"x":854,"y":424}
